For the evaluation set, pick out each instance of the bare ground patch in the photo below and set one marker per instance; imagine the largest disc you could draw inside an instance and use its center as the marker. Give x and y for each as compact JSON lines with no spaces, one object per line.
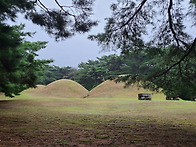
{"x":82,"y":130}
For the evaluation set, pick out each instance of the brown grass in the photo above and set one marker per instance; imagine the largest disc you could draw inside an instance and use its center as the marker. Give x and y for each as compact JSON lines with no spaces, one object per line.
{"x":110,"y":89}
{"x":32,"y":91}
{"x":61,"y":88}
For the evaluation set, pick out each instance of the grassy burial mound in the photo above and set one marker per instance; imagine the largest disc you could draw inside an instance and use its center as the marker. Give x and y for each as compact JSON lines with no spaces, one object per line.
{"x":111,"y":89}
{"x":60,"y":88}
{"x":34,"y":91}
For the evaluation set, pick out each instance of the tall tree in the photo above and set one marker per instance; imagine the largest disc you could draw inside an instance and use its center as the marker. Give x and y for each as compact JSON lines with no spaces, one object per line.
{"x":19,"y":68}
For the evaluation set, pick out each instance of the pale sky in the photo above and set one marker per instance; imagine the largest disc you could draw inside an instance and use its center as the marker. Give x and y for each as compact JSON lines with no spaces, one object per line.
{"x":75,"y":50}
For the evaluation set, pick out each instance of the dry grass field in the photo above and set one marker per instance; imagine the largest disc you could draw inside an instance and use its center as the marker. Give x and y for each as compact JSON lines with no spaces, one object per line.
{"x":29,"y":120}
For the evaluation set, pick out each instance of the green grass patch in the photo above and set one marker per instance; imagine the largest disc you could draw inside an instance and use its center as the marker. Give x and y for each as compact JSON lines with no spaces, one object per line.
{"x":85,"y":140}
{"x":103,"y":136}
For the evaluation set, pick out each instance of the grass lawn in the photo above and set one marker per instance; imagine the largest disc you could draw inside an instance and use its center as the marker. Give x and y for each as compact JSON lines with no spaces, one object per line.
{"x":36,"y":121}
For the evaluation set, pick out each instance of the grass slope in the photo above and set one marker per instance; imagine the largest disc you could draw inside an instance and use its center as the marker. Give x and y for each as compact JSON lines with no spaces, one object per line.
{"x":110,"y":89}
{"x":60,"y":88}
{"x":34,"y":91}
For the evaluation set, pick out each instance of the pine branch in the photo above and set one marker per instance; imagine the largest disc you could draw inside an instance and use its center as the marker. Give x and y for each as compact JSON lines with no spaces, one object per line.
{"x":136,"y":12}
{"x":171,"y":22}
{"x":61,"y":7}
{"x":42,"y":6}
{"x":193,"y":46}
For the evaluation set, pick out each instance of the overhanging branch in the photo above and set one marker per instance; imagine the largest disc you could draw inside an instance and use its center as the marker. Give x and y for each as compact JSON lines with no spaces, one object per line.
{"x":193,"y":46}
{"x":136,"y":12}
{"x":61,"y":7}
{"x":42,"y":6}
{"x":171,"y":22}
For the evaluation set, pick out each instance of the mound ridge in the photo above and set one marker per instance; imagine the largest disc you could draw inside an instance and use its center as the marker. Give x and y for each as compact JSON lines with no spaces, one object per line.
{"x":111,"y":89}
{"x":32,"y":91}
{"x":71,"y":89}
{"x":60,"y":88}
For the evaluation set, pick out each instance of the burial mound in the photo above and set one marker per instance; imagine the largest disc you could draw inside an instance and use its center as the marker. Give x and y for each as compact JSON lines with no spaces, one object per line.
{"x":60,"y":88}
{"x":32,"y":91}
{"x":111,"y":89}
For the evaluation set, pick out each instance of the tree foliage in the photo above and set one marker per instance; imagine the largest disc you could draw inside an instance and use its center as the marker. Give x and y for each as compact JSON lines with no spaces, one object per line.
{"x":89,"y":74}
{"x":53,"y":73}
{"x":19,"y":68}
{"x":158,"y":28}
{"x":10,"y":8}
{"x":93,"y":73}
{"x":61,"y":22}
{"x":131,"y":20}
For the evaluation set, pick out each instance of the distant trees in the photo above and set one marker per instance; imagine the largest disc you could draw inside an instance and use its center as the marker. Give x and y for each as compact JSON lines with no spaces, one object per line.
{"x":53,"y":73}
{"x":89,"y":74}
{"x":92,"y":73}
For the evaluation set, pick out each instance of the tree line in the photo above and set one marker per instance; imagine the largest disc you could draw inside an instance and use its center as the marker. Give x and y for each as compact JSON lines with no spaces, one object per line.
{"x":123,"y":67}
{"x":92,"y":73}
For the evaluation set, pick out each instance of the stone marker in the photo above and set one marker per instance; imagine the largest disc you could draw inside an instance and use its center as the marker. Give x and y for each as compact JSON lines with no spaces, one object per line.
{"x":193,"y":98}
{"x":172,"y":98}
{"x":144,"y":96}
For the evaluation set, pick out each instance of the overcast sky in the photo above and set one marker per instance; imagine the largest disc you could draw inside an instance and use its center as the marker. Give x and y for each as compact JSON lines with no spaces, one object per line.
{"x":75,"y":50}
